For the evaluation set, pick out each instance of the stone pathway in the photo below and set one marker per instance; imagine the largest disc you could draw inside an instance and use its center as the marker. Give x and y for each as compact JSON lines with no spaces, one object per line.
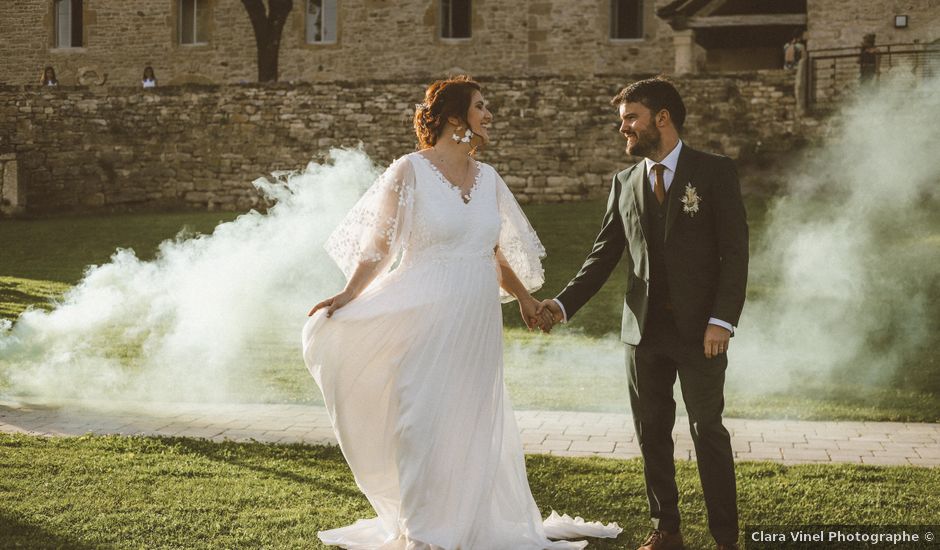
{"x":552,"y":432}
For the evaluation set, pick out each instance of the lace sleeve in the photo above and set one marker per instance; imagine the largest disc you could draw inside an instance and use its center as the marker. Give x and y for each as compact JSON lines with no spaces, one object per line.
{"x":376,"y":227}
{"x":518,"y":242}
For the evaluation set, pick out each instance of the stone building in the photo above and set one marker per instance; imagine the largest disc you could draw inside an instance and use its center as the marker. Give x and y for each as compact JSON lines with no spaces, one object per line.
{"x":736,"y":35}
{"x":348,"y":67}
{"x":211,"y":41}
{"x":327,"y":40}
{"x":840,"y":24}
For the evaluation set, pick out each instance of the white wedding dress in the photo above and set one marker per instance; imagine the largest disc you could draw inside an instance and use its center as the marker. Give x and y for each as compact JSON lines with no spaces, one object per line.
{"x":412,"y":369}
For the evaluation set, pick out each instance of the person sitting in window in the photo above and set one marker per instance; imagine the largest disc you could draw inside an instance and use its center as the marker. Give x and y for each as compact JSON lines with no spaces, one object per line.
{"x":48,"y":77}
{"x":149,"y":80}
{"x":793,"y":52}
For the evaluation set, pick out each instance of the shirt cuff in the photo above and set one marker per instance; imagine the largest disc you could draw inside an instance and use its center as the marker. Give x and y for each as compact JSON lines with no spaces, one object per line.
{"x":721,"y":324}
{"x":564,"y":314}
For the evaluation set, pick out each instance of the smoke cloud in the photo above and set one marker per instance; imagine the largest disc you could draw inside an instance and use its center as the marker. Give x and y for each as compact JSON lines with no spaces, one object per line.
{"x":194,"y":323}
{"x":846,"y":272}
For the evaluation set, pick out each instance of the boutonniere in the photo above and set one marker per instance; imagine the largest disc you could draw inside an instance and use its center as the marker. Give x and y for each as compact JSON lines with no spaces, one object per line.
{"x":690,"y":200}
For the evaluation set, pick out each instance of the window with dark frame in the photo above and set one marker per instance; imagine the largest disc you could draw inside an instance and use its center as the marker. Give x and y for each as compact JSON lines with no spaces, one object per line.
{"x":321,"y":21}
{"x":194,"y":21}
{"x":68,"y":23}
{"x":626,"y":19}
{"x":455,"y":18}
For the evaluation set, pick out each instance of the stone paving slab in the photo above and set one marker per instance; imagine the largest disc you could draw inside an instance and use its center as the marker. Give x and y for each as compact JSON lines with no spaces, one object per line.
{"x":562,"y":433}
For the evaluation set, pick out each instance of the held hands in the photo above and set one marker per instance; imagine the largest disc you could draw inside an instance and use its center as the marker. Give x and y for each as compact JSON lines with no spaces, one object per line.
{"x":332,"y":304}
{"x":716,"y":340}
{"x":549,"y":314}
{"x":536,"y":314}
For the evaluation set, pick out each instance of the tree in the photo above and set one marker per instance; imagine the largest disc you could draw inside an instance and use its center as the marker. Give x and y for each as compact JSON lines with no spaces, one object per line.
{"x":268,"y":23}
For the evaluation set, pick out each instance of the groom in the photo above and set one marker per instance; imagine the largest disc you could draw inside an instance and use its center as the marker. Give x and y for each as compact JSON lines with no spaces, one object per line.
{"x":678,"y":220}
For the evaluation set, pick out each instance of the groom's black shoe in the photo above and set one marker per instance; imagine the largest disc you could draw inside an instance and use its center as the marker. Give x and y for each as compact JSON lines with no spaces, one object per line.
{"x":663,"y":540}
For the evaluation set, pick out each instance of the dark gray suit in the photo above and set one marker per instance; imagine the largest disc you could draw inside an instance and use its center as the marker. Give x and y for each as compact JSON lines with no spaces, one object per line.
{"x":706,"y":253}
{"x":682,"y":268}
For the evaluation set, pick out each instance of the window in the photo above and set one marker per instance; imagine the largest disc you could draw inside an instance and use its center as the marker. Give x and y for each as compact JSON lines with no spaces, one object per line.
{"x":321,"y":21}
{"x":626,"y":19}
{"x":194,"y":22}
{"x":455,"y":18}
{"x":68,"y":23}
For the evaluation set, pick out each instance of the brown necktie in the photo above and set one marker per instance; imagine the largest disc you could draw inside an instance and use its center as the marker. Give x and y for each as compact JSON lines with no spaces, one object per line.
{"x":660,"y":188}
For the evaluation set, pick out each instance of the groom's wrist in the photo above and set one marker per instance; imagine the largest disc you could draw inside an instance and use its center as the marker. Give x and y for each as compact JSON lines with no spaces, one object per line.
{"x":725,"y":325}
{"x":561,"y":306}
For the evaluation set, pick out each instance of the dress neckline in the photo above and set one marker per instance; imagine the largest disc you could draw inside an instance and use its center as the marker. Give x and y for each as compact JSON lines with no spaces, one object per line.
{"x":465,"y":197}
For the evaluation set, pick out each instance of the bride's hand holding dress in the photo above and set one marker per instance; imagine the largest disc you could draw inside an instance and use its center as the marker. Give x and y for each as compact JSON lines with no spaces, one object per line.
{"x":365,"y":272}
{"x":332,"y":304}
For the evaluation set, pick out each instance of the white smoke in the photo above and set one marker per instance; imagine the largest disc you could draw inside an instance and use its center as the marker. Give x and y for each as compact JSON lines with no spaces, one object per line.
{"x":849,"y":258}
{"x":185,"y":325}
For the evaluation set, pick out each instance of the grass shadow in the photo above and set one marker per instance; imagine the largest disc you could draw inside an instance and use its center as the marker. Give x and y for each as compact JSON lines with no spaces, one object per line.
{"x":249,"y":456}
{"x":18,"y":533}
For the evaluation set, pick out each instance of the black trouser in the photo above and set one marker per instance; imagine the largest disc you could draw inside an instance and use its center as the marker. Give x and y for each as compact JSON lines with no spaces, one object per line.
{"x":652,"y":367}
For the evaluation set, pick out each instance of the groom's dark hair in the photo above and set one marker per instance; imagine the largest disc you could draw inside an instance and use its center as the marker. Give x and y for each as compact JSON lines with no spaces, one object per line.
{"x":655,"y":94}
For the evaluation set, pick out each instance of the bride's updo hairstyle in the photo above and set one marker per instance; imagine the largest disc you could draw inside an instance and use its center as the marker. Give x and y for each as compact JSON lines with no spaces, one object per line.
{"x":443,"y":99}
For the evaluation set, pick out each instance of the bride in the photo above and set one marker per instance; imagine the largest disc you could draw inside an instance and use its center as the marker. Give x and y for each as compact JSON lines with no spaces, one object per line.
{"x":409,"y":355}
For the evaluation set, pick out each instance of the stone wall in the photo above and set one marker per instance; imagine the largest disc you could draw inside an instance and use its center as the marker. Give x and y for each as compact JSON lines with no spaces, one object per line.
{"x":201,"y":146}
{"x":12,"y":195}
{"x":376,"y":40}
{"x":843,"y":23}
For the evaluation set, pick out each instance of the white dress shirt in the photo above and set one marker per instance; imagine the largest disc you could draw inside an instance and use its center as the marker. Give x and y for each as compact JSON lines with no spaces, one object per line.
{"x":670,"y":162}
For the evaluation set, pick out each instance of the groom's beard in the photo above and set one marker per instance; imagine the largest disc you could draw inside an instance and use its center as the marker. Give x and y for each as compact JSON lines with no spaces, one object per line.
{"x":647,"y":142}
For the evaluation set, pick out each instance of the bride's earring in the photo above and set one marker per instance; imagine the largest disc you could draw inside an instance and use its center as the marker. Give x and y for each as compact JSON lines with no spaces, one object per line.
{"x":466,"y":136}
{"x":455,"y":137}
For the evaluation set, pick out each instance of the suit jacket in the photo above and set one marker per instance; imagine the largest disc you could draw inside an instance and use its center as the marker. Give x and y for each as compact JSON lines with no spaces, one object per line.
{"x":706,"y":253}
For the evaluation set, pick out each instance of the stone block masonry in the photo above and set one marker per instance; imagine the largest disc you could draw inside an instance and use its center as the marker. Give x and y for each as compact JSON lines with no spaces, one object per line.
{"x":12,"y":195}
{"x":201,"y":146}
{"x":375,"y":39}
{"x":841,"y":24}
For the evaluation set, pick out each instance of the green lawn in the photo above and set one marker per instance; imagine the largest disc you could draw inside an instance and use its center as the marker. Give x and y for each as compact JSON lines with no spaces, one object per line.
{"x":17,"y":294}
{"x":578,"y":367}
{"x":59,"y":249}
{"x":94,"y":492}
